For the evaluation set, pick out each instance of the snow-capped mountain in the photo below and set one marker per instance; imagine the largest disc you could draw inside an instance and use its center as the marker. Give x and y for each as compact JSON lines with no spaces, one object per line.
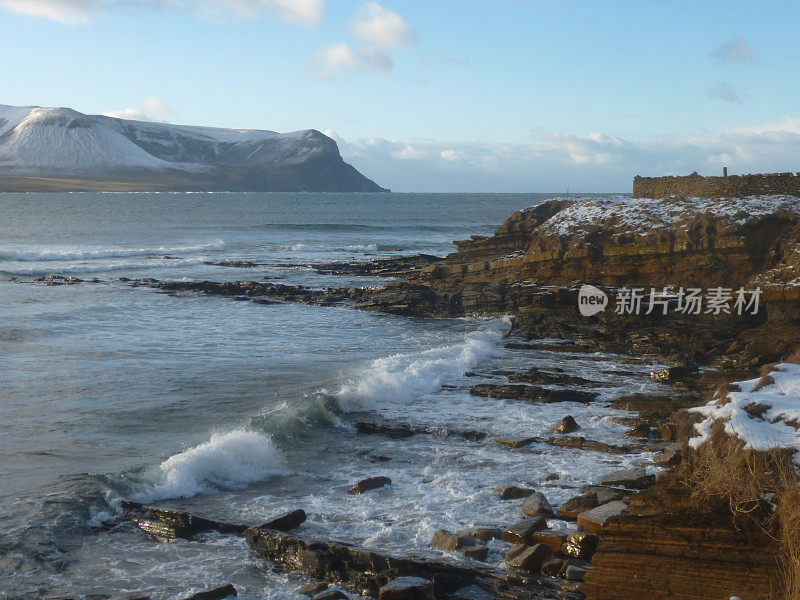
{"x":41,"y":146}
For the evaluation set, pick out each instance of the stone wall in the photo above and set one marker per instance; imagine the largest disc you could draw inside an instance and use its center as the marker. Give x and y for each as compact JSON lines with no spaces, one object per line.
{"x":712,"y":187}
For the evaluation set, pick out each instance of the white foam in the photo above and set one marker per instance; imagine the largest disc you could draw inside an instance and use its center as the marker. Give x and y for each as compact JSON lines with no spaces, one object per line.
{"x":71,"y":253}
{"x":227,"y":461}
{"x":403,"y":376}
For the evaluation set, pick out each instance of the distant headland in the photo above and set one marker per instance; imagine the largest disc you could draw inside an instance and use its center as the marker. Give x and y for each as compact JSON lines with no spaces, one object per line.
{"x":60,"y":149}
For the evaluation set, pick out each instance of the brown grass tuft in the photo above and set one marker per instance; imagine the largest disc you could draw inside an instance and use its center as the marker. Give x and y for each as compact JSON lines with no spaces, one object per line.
{"x":723,"y":475}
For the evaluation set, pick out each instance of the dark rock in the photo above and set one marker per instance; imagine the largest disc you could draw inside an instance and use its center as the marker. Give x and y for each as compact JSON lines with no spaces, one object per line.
{"x":312,"y":589}
{"x":476,"y":552}
{"x":529,"y":559}
{"x":566,"y":425}
{"x":484,"y":534}
{"x":331,"y":595}
{"x":512,"y":492}
{"x":216,"y":594}
{"x":445,"y":540}
{"x":239,"y":264}
{"x":669,"y":432}
{"x":394,"y":432}
{"x":471,"y":592}
{"x":536,"y":505}
{"x":474,"y":436}
{"x":286,"y":522}
{"x":552,"y":477}
{"x":522,"y":532}
{"x":578,"y":504}
{"x":407,"y":588}
{"x":635,"y":478}
{"x":580,"y":544}
{"x":515,"y":444}
{"x":668,"y":458}
{"x":371,"y":483}
{"x":575,"y":573}
{"x":531,"y":393}
{"x":642,"y":430}
{"x":581,"y":443}
{"x":553,"y":539}
{"x":167,"y":525}
{"x":552,"y":567}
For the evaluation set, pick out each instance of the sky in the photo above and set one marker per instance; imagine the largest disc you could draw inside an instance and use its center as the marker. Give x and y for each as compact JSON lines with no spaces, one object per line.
{"x":439,"y":95}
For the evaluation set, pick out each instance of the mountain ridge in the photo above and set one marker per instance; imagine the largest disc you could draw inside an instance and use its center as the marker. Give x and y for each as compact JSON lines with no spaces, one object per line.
{"x":47,"y":149}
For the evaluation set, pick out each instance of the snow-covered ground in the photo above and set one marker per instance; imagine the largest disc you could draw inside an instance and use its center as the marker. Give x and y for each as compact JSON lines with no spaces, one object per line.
{"x":61,"y":138}
{"x":642,"y":216}
{"x":764,"y":414}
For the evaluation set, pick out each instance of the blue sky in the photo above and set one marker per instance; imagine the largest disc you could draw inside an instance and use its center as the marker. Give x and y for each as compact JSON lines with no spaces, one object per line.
{"x":444,"y":95}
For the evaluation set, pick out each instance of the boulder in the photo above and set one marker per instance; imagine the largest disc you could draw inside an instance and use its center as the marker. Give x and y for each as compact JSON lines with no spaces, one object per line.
{"x":368,"y":484}
{"x":331,"y":595}
{"x":580,"y":544}
{"x":512,"y":492}
{"x":566,"y":425}
{"x":552,"y":566}
{"x":536,"y":505}
{"x":578,"y":504}
{"x":312,"y":589}
{"x":225,"y":591}
{"x":635,"y":478}
{"x":522,"y":532}
{"x":407,"y":588}
{"x":575,"y":573}
{"x":668,"y":458}
{"x":445,"y":540}
{"x":529,"y":559}
{"x":642,"y":430}
{"x":476,"y":552}
{"x":286,"y":522}
{"x":484,"y":534}
{"x":553,"y":539}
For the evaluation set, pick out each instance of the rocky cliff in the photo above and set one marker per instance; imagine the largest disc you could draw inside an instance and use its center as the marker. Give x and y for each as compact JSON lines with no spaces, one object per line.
{"x":49,"y":149}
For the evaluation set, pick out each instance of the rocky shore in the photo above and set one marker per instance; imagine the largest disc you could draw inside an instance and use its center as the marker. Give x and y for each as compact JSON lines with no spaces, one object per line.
{"x":637,"y":533}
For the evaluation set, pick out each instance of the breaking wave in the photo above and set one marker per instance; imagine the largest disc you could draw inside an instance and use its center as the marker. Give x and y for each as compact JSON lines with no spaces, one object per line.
{"x":403,"y":376}
{"x":57,"y":254}
{"x":227,"y":461}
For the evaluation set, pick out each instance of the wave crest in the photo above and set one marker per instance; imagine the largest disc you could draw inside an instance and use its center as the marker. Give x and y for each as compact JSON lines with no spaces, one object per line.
{"x":227,"y":461}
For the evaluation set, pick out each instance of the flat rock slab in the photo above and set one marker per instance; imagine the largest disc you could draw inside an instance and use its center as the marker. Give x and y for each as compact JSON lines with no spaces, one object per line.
{"x":516,"y":443}
{"x":593,"y":520}
{"x":636,"y":479}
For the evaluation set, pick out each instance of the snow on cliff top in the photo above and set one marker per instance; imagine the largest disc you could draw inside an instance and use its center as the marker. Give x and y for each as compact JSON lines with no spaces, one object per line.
{"x":763,"y":418}
{"x":642,"y":215}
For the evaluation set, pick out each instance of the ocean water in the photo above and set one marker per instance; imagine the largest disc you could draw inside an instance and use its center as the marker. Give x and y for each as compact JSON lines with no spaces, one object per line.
{"x":240,"y":411}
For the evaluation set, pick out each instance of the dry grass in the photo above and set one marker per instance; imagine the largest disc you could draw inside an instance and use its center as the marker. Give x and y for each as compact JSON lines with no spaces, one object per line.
{"x":760,"y":489}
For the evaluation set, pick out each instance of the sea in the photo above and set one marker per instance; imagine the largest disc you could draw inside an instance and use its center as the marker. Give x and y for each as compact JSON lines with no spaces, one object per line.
{"x":239,"y":411}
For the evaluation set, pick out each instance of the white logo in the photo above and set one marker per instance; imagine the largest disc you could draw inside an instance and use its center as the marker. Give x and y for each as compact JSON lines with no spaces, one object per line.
{"x":591,"y":300}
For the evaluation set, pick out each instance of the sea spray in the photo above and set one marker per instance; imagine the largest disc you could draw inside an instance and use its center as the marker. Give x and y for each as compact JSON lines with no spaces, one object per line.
{"x":228,"y":461}
{"x":403,"y":376}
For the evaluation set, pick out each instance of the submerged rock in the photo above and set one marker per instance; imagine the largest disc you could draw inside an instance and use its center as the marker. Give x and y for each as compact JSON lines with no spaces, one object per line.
{"x":370,"y":483}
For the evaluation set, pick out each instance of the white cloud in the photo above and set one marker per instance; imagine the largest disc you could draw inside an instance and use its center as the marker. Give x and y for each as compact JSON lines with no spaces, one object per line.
{"x":70,"y":12}
{"x":595,"y":162}
{"x":409,"y":152}
{"x":300,"y":12}
{"x":724,"y":91}
{"x":339,"y":58}
{"x":737,"y":50}
{"x":307,"y":13}
{"x":152,"y":109}
{"x":156,"y":106}
{"x":382,"y":27}
{"x":130,"y":114}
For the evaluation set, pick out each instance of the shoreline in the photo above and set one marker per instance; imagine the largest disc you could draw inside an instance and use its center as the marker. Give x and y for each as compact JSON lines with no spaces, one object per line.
{"x":727,"y":349}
